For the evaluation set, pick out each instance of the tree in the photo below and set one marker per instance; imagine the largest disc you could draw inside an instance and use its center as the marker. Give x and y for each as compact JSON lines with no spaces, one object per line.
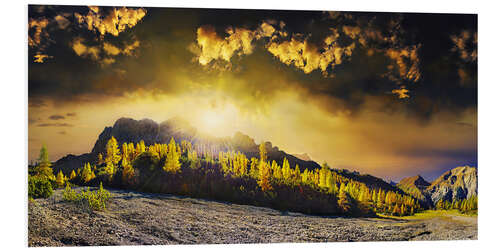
{"x":286,"y":170}
{"x":263,"y":152}
{"x":128,"y":171}
{"x":72,"y":175}
{"x":296,"y":172}
{"x":322,"y":175}
{"x":172,"y":164}
{"x":112,"y":157}
{"x":264,"y":176}
{"x":44,"y":169}
{"x":100,"y":159}
{"x":87,"y":174}
{"x":60,"y":179}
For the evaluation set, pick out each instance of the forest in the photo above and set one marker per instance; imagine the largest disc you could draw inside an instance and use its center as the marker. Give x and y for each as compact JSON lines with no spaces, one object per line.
{"x":199,"y":172}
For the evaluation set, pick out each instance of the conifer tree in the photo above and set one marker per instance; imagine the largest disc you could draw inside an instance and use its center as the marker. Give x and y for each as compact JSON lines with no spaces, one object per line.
{"x":72,"y":175}
{"x":322,"y":175}
{"x":112,"y":157}
{"x":100,"y":160}
{"x":60,"y":179}
{"x":263,"y":152}
{"x":43,"y":168}
{"x":172,"y":164}
{"x":87,"y":174}
{"x":264,"y":176}
{"x":296,"y":172}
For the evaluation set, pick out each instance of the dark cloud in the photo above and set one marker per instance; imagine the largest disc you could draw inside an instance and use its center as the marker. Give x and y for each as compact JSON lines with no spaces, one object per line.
{"x":403,"y":61}
{"x":71,"y":114}
{"x":56,"y":117}
{"x":55,"y":125}
{"x":62,"y":132}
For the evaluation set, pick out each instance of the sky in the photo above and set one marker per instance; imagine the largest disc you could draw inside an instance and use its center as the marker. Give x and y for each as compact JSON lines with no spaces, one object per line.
{"x":387,"y":94}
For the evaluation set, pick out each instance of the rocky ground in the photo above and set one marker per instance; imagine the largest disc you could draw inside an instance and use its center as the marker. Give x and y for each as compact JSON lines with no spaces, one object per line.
{"x":134,"y":218}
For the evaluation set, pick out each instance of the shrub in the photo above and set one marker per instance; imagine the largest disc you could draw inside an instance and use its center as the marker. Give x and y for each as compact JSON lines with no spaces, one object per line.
{"x":95,"y":200}
{"x":39,"y":187}
{"x":69,"y":194}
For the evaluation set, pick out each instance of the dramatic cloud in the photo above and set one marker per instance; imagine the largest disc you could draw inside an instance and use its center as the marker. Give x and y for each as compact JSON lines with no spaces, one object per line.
{"x":113,"y":23}
{"x":71,"y":114}
{"x":300,"y":51}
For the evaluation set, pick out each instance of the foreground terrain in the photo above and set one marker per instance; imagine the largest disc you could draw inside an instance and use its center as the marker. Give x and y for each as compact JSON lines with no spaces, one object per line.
{"x":135,"y":218}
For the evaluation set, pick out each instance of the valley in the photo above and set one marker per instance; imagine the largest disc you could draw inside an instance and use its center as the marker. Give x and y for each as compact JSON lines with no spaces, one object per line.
{"x":135,"y":218}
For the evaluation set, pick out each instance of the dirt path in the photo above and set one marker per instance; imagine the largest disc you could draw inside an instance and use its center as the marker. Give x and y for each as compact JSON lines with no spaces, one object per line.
{"x":142,"y":219}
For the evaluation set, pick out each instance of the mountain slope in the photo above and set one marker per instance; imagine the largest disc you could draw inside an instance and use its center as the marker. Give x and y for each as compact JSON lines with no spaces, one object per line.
{"x":456,"y":184}
{"x":415,"y":186}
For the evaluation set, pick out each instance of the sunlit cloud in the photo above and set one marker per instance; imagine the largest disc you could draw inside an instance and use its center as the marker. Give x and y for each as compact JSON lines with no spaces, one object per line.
{"x":402,"y":93}
{"x":113,"y":23}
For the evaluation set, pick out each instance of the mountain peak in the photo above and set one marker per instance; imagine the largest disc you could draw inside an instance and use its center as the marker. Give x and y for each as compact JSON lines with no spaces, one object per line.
{"x":417,"y":181}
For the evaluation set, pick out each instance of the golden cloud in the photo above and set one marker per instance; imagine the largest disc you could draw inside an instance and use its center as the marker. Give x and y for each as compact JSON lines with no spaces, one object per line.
{"x":38,"y":25}
{"x":407,"y":61}
{"x":465,"y":44}
{"x":299,"y":52}
{"x":85,"y":51}
{"x":115,"y":22}
{"x":212,"y":47}
{"x":62,"y":22}
{"x":401,"y":92}
{"x":307,"y":56}
{"x":103,"y":54}
{"x":40,"y":58}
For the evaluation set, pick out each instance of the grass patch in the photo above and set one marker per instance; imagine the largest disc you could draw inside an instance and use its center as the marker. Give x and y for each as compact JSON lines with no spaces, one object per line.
{"x":429,"y":214}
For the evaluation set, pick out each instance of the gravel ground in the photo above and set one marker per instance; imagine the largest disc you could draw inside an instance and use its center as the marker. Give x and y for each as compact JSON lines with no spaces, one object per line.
{"x":134,"y":218}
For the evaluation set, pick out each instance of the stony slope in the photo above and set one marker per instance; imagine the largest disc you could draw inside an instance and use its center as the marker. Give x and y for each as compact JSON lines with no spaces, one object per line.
{"x":143,"y":219}
{"x":456,"y":184}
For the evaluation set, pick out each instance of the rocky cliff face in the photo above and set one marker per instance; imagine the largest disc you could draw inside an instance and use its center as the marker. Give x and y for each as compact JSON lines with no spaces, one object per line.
{"x":458,"y":183}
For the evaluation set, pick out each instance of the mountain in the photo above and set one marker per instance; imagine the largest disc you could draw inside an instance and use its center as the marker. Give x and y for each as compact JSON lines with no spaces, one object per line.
{"x":130,"y":130}
{"x":415,"y":186}
{"x":456,"y":184}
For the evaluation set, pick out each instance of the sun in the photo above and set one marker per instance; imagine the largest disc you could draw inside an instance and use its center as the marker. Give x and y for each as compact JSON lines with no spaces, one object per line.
{"x":212,"y":120}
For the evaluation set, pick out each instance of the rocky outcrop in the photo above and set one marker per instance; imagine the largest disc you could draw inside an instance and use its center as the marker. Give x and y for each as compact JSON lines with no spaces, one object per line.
{"x":456,"y":184}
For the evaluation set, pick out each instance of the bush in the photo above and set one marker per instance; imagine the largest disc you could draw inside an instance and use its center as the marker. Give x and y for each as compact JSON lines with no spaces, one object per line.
{"x":39,"y":187}
{"x":95,"y":200}
{"x":69,"y":194}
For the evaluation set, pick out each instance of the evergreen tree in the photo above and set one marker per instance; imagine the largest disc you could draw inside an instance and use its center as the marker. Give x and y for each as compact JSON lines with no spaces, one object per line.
{"x":43,"y":168}
{"x":112,"y":157}
{"x":172,"y":164}
{"x":263,"y":152}
{"x":60,"y":179}
{"x":87,"y":174}
{"x":72,"y":175}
